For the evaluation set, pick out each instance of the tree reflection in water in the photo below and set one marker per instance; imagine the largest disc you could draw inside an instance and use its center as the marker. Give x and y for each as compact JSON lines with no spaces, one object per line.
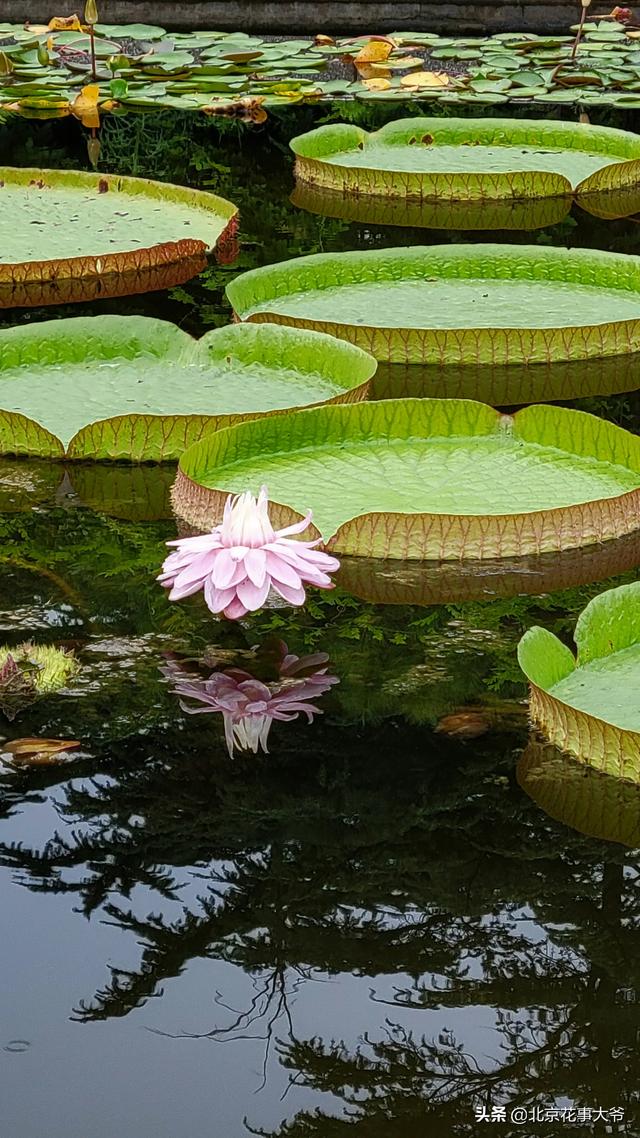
{"x":386,"y":853}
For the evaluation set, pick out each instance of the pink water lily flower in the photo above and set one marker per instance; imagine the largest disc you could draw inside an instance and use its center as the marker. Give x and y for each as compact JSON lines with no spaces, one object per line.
{"x":243,"y":558}
{"x":249,"y":706}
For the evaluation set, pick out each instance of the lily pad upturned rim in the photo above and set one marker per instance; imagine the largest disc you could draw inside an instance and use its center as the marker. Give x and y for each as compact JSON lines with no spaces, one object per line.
{"x":425,"y":535}
{"x":608,"y":624}
{"x":465,"y":344}
{"x":316,"y":146}
{"x":103,"y":264}
{"x":140,"y":437}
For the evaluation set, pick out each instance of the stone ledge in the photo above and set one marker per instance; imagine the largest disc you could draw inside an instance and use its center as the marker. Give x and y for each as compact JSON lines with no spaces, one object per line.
{"x":296,"y":16}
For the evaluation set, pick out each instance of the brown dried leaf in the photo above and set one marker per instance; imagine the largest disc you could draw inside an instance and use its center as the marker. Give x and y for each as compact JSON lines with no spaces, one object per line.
{"x":39,"y":751}
{"x":324,"y":41}
{"x":66,"y":24}
{"x":464,"y":724}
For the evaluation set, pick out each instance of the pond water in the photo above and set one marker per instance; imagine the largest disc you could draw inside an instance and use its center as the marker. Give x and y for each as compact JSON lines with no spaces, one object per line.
{"x":406,"y":912}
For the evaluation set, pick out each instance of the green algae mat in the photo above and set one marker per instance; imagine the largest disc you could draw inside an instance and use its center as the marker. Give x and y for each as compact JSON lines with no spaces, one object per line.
{"x":468,"y":159}
{"x":456,"y":303}
{"x":589,"y":704}
{"x":426,"y":478}
{"x":74,"y":236}
{"x":132,"y":387}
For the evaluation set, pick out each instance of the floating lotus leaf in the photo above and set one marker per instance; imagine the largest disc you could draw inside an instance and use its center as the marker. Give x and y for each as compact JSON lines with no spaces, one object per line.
{"x":507,"y":214}
{"x":590,"y":801}
{"x":75,"y":235}
{"x":132,"y":387}
{"x":456,"y":303}
{"x":506,"y":385}
{"x":391,"y":582}
{"x":468,"y":159}
{"x":431,"y":478}
{"x":588,"y":704}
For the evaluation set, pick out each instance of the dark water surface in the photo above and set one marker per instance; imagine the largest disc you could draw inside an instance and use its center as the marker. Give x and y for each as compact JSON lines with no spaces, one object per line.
{"x":408,"y":911}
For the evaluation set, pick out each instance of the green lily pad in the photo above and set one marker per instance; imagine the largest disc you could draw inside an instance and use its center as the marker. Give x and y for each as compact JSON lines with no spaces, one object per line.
{"x":76,"y":229}
{"x":456,"y":303}
{"x":426,"y":478}
{"x":588,"y":705}
{"x":138,"y":388}
{"x":168,"y":60}
{"x":465,"y":159}
{"x":131,"y":31}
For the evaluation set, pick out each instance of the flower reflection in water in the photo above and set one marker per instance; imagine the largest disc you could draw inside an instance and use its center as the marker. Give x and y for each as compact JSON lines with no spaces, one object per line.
{"x":249,"y":704}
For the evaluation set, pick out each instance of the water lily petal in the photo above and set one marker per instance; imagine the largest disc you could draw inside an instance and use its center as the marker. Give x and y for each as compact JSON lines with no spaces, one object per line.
{"x":235,"y":609}
{"x":288,"y":593}
{"x":217,"y":600}
{"x":297,"y":527}
{"x":283,"y":571}
{"x":179,"y":592}
{"x":223,"y":569}
{"x":255,"y":563}
{"x":253,"y":596}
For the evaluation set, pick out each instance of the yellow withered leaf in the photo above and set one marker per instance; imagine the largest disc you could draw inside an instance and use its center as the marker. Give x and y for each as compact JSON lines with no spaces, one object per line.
{"x":423,"y":79}
{"x":65,"y":24}
{"x":85,"y":106}
{"x":377,"y":84}
{"x":39,"y":751}
{"x":324,"y":41}
{"x":374,"y":52}
{"x":373,"y":71}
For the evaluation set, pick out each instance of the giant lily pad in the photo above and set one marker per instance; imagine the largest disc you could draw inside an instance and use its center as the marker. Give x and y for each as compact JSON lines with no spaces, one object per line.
{"x":138,"y":388}
{"x":426,"y":478}
{"x":76,"y":228}
{"x":589,"y":704}
{"x":456,"y":303}
{"x":468,"y":159}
